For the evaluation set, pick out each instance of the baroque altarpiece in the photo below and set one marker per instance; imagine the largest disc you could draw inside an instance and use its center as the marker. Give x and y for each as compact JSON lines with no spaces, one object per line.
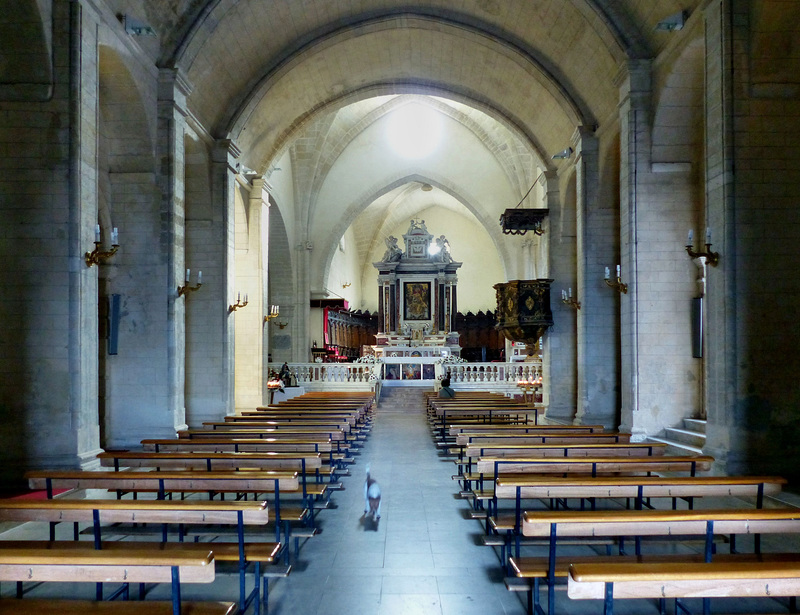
{"x":417,"y":297}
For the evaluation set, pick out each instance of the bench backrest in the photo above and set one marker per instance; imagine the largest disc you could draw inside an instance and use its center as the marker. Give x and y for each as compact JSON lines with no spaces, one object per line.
{"x":489,"y":467}
{"x":565,"y":450}
{"x":164,"y":481}
{"x":73,"y":565}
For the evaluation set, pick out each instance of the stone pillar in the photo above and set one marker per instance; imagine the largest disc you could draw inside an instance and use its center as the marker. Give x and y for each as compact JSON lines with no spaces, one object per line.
{"x":301,"y":310}
{"x":635,"y":90}
{"x":558,"y":342}
{"x":210,"y":350}
{"x":49,"y":296}
{"x":265,"y":297}
{"x":249,"y":321}
{"x":597,"y":319}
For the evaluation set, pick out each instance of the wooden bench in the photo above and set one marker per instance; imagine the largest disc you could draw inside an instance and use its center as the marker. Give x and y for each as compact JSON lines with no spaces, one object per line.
{"x":163,"y":483}
{"x":85,"y":564}
{"x":104,"y":517}
{"x":456,"y":428}
{"x":638,"y":449}
{"x":490,"y":467}
{"x":638,"y":488}
{"x":301,"y":462}
{"x":740,"y":577}
{"x":555,"y":525}
{"x":336,"y":462}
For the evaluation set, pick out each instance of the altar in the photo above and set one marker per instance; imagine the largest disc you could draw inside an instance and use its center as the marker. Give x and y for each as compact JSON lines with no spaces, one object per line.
{"x":417,"y":303}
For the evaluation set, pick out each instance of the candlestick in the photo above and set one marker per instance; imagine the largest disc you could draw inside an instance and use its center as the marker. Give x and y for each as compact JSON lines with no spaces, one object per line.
{"x":690,"y":238}
{"x":97,"y":233}
{"x":708,"y":235}
{"x":618,"y":272}
{"x":608,"y":273}
{"x":188,"y":271}
{"x":115,"y":236}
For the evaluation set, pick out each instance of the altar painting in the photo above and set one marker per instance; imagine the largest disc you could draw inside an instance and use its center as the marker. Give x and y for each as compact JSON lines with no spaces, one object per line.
{"x":411,"y":371}
{"x":417,"y":300}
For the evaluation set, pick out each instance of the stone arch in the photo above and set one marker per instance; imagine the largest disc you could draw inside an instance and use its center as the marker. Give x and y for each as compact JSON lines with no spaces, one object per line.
{"x":534,"y":82}
{"x":358,"y":206}
{"x":678,"y":113}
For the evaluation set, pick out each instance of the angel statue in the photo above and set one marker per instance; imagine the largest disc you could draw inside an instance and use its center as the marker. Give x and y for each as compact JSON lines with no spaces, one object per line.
{"x":393,"y":252}
{"x":444,"y":249}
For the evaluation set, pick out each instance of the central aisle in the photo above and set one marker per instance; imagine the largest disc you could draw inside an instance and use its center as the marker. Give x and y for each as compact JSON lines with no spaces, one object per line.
{"x":423,"y":557}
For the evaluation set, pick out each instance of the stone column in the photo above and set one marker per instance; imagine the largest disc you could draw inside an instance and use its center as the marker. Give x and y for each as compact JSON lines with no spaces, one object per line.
{"x":249,"y":321}
{"x":49,"y":301}
{"x":558,"y":343}
{"x":597,"y":318}
{"x":210,"y":353}
{"x":264,"y":271}
{"x":635,"y":90}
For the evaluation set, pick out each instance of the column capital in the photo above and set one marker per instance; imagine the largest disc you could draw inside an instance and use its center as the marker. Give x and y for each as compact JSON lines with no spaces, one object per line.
{"x":226,"y":151}
{"x":174,"y":87}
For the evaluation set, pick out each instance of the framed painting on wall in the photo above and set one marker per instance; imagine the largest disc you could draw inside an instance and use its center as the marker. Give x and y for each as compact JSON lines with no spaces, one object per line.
{"x":416,"y":300}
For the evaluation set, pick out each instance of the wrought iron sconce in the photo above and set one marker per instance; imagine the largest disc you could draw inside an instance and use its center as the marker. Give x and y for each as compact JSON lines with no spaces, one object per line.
{"x":238,"y":304}
{"x":96,"y":256}
{"x":520,"y":221}
{"x":281,"y":325}
{"x":188,"y":288}
{"x":567,"y":299}
{"x":274,"y":312}
{"x":617,"y":284}
{"x":712,"y":258}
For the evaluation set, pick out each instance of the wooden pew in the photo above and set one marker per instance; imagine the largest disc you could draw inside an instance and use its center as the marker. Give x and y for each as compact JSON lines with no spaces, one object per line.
{"x":443,"y":417}
{"x":555,"y":525}
{"x":350,"y":433}
{"x":638,"y":488}
{"x":86,"y":564}
{"x":475,"y":452}
{"x":181,"y":513}
{"x":163,"y":483}
{"x":456,"y":429}
{"x":491,"y":467}
{"x":529,"y":437}
{"x":335,"y":461}
{"x":743,"y":577}
{"x":336,"y":435}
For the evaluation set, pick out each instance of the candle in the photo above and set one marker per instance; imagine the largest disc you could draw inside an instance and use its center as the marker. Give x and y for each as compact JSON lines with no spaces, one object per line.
{"x":200,"y":277}
{"x":618,"y":272}
{"x":570,"y":292}
{"x":708,"y":235}
{"x":245,"y":298}
{"x":188,"y":271}
{"x":239,"y":298}
{"x":97,"y":233}
{"x":115,"y":236}
{"x":690,"y":238}
{"x":608,"y":273}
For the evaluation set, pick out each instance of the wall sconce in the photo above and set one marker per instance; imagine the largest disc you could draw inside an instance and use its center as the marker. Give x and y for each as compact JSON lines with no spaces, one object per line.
{"x":712,"y":258}
{"x":347,"y":285}
{"x":95,"y":256}
{"x":274,"y":312}
{"x":238,"y":304}
{"x":618,"y":283}
{"x":282,"y":325}
{"x":188,"y":288}
{"x":567,"y":299}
